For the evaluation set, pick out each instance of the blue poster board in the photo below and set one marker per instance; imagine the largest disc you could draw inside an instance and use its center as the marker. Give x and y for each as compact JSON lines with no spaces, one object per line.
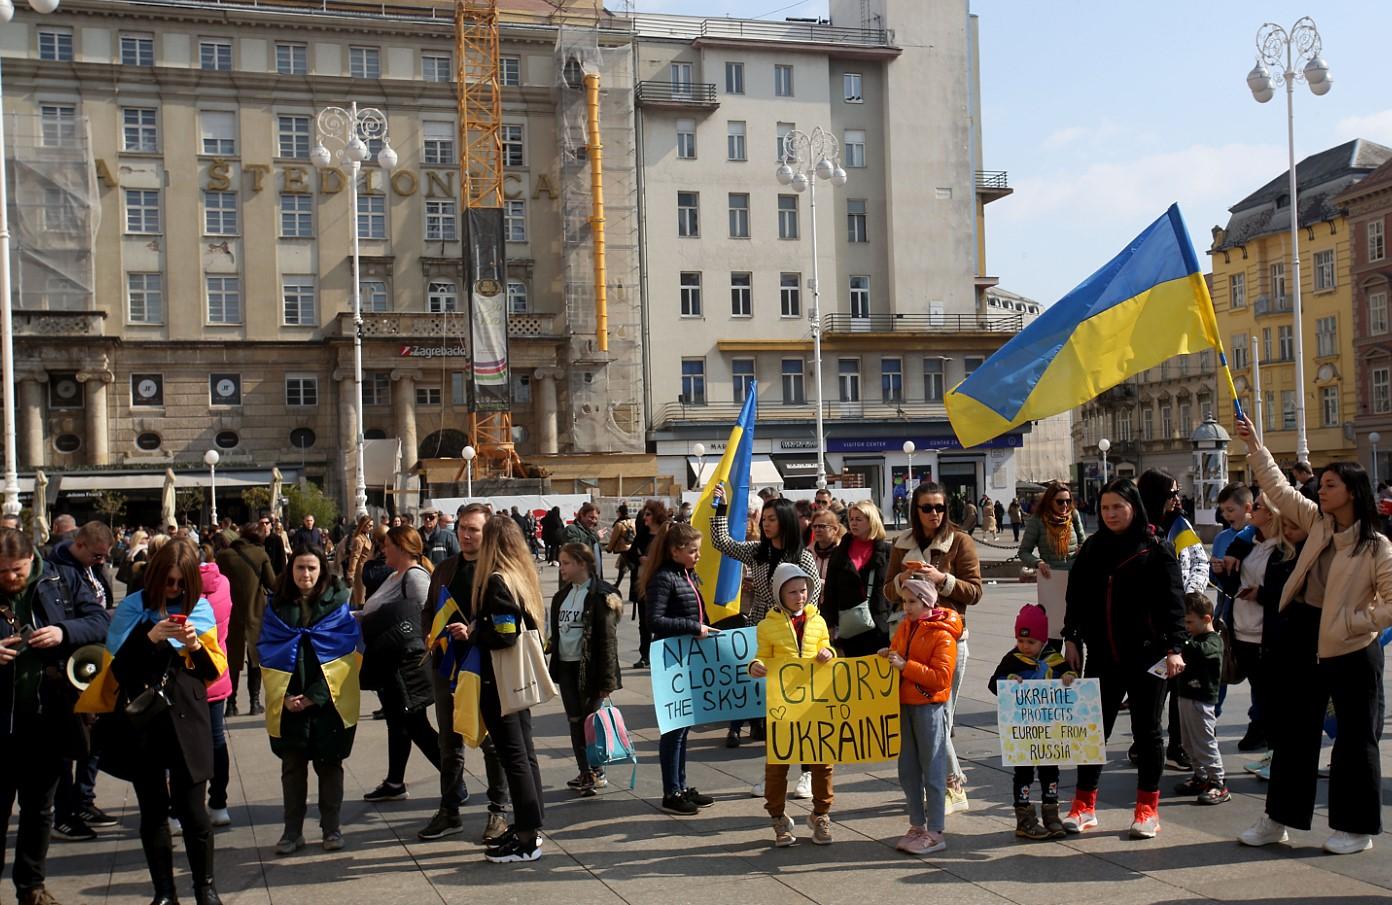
{"x":697,"y":681}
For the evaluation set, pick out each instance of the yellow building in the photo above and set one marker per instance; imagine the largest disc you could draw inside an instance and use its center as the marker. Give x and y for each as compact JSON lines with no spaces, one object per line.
{"x":1252,"y":294}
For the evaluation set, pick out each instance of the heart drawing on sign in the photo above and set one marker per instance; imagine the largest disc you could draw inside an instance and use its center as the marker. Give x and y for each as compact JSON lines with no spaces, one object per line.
{"x":778,"y":712}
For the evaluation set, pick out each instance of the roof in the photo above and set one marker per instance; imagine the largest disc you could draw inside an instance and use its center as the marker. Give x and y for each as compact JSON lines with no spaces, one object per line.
{"x":1320,"y":178}
{"x":1381,"y":178}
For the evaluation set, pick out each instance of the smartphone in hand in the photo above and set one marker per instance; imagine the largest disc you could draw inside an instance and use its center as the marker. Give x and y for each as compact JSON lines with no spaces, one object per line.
{"x":178,"y":618}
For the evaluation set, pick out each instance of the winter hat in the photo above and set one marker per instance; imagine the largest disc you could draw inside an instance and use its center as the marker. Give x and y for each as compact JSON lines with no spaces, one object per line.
{"x":1032,"y":622}
{"x":785,"y":573}
{"x":925,"y":591}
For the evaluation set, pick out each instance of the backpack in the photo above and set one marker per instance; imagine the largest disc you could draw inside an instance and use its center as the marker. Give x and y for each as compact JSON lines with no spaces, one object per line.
{"x":607,"y":741}
{"x":621,"y":538}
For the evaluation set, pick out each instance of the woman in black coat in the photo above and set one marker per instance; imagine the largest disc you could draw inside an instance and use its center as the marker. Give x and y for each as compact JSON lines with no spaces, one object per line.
{"x":855,"y":575}
{"x":551,"y":527}
{"x":651,"y":518}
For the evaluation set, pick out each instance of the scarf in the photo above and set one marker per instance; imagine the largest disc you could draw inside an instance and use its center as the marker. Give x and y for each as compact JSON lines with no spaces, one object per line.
{"x":1059,"y":527}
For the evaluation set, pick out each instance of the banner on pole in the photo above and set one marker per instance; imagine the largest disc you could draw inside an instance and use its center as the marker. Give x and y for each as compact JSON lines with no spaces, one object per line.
{"x":1045,"y":723}
{"x":705,"y":680}
{"x":844,"y":711}
{"x":491,"y":385}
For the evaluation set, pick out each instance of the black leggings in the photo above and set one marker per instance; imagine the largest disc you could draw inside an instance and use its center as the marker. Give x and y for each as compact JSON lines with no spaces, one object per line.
{"x":577,"y":709}
{"x":402,"y":730}
{"x":1048,"y":783}
{"x":512,"y":739}
{"x":1147,"y":696}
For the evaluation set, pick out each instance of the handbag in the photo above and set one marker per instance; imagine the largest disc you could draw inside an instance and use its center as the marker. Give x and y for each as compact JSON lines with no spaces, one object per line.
{"x":857,"y":620}
{"x":521,"y":674}
{"x":142,"y":709}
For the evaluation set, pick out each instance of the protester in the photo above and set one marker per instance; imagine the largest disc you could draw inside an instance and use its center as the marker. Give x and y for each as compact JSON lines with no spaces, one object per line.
{"x":585,"y":613}
{"x":1053,"y":535}
{"x":248,"y":569}
{"x":988,"y":517}
{"x":1331,"y":610}
{"x":1303,"y":476}
{"x":1197,"y":696}
{"x":827,"y":532}
{"x":934,"y":550}
{"x":1126,"y":611}
{"x":437,"y":539}
{"x":308,"y":649}
{"x":276,"y":543}
{"x":552,"y":527}
{"x":651,"y":518}
{"x":1016,"y":514}
{"x":853,"y":599}
{"x":585,"y":531}
{"x":218,"y":592}
{"x":794,"y":630}
{"x":676,"y":607}
{"x":359,"y":551}
{"x":924,"y":650}
{"x":1234,"y":514}
{"x":1239,"y":568}
{"x":307,"y":535}
{"x":621,"y":535}
{"x":969,"y":517}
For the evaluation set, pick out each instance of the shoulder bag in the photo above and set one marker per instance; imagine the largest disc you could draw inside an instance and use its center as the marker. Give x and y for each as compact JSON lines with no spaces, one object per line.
{"x":857,"y":620}
{"x":521,"y":674}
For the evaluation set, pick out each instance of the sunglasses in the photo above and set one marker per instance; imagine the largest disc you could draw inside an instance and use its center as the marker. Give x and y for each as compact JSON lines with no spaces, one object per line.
{"x":928,"y":508}
{"x":1174,"y":493}
{"x":1063,"y":501}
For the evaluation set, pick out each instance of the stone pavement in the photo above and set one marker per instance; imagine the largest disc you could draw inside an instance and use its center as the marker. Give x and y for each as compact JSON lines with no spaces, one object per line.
{"x":620,"y":848}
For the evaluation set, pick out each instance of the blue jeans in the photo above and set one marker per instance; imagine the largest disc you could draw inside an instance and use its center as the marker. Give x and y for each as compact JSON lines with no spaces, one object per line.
{"x":222,"y":761}
{"x":959,"y":672}
{"x":672,"y":754}
{"x":923,"y":763}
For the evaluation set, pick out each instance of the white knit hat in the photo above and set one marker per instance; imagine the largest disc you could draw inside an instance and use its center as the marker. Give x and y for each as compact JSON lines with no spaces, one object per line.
{"x":785,"y":573}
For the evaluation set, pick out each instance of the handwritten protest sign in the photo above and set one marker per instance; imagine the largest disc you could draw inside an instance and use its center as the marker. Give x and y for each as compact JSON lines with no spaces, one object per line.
{"x":845,"y":711}
{"x":1043,"y":723}
{"x":697,"y":681}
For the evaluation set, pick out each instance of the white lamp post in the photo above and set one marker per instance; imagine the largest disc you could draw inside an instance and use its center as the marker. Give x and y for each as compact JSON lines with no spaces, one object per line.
{"x":11,"y":489}
{"x":1373,"y":438}
{"x":699,"y":451}
{"x":1103,"y":445}
{"x":808,"y":157}
{"x":350,"y":130}
{"x":909,"y":451}
{"x":468,"y":453}
{"x":1283,"y":50}
{"x":210,"y":459}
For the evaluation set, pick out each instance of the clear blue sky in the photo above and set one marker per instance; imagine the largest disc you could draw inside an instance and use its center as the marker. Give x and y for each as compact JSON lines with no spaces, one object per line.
{"x":1105,"y":112}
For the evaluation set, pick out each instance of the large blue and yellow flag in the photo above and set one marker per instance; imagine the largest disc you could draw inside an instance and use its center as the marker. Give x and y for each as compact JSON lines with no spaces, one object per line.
{"x":446,"y":608}
{"x":1148,"y":304}
{"x":721,"y":578}
{"x":334,"y":641}
{"x":468,"y":683}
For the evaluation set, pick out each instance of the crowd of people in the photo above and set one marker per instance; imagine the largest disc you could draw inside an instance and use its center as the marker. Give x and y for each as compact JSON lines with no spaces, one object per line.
{"x":314,"y":617}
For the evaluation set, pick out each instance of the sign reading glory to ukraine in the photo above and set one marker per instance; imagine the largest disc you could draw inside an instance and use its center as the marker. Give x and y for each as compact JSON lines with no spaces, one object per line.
{"x":843,"y":711}
{"x":705,"y":680}
{"x":1046,"y":723}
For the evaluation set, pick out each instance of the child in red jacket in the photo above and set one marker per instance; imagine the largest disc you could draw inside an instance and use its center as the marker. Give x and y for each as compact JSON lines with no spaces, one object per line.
{"x":924,"y":650}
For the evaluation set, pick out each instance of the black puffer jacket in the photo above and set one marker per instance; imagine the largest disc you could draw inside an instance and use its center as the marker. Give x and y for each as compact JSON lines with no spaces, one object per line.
{"x":392,"y":655}
{"x":673,"y":602}
{"x":1125,"y":600}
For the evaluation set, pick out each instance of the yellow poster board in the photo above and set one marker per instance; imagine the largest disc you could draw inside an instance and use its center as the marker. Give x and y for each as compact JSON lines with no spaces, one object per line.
{"x":844,"y":711}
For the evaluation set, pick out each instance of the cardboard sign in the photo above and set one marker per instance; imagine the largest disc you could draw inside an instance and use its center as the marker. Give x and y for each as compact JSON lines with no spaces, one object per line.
{"x":845,"y":711}
{"x":1042,"y":723}
{"x":696,"y":681}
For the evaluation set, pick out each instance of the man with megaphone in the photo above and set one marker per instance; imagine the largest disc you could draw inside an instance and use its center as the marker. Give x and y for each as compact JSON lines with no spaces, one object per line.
{"x":46,"y":613}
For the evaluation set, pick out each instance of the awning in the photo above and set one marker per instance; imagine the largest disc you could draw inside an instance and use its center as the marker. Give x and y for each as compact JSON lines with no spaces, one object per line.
{"x":86,"y":483}
{"x":797,"y":466}
{"x":80,"y":483}
{"x":762,"y":472}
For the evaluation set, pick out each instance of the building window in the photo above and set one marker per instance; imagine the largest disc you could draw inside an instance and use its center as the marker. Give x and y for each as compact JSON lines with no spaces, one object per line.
{"x":1266,"y":348}
{"x":782,"y":80}
{"x":742,"y":376}
{"x":145,"y":298}
{"x":220,"y":213}
{"x":734,"y":78}
{"x":857,"y":229}
{"x":1240,"y":345}
{"x":376,"y":388}
{"x":301,"y":390}
{"x":292,"y":59}
{"x":1377,"y":312}
{"x":1278,"y":285}
{"x":852,"y":86}
{"x":933,"y":379}
{"x":139,"y":129}
{"x":686,"y":139}
{"x":137,"y":50}
{"x":58,"y":125}
{"x":1147,"y":424}
{"x":790,"y":295}
{"x":1270,"y":408}
{"x":439,"y":221}
{"x":787,"y":216}
{"x":372,"y":216}
{"x":373,"y":297}
{"x":1382,"y":390}
{"x":741,"y":294}
{"x":1286,"y":338}
{"x":690,"y":286}
{"x":855,"y":147}
{"x":293,"y":135}
{"x":224,"y":300}
{"x":1166,"y":422}
{"x":59,"y":214}
{"x":734,"y":141}
{"x":848,"y":379}
{"x":1186,"y":421}
{"x":688,"y":215}
{"x":219,"y":132}
{"x":515,"y":221}
{"x":297,"y":293}
{"x":215,"y":55}
{"x":1324,"y":270}
{"x":1124,"y":429}
{"x":428,"y":396}
{"x":517,"y":297}
{"x":441,"y":297}
{"x":55,"y":45}
{"x":514,"y":145}
{"x":1237,"y":290}
{"x":693,"y":381}
{"x":510,"y":71}
{"x":437,"y":67}
{"x":364,"y":63}
{"x":143,"y":211}
{"x":296,"y":216}
{"x":439,"y":143}
{"x":970,"y":363}
{"x":1327,"y":336}
{"x":783,"y":130}
{"x":794,"y":390}
{"x":860,"y":296}
{"x":891,"y":380}
{"x":1329,"y":406}
{"x":1377,"y":244}
{"x":681,"y":79}
{"x":739,"y":216}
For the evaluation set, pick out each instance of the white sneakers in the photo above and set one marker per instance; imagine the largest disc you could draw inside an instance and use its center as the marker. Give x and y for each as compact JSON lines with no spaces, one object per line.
{"x":1264,"y":832}
{"x":219,"y":817}
{"x":1342,"y":843}
{"x":803,"y":789}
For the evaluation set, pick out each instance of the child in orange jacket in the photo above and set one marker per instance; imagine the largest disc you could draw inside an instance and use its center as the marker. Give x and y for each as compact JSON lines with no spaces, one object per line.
{"x":924,"y":650}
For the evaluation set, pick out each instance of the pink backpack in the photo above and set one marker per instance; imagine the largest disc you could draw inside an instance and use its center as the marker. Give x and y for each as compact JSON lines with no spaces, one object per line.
{"x":607,"y":741}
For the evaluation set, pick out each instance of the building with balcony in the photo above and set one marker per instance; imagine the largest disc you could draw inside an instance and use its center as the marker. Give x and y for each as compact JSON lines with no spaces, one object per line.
{"x":1251,"y":260}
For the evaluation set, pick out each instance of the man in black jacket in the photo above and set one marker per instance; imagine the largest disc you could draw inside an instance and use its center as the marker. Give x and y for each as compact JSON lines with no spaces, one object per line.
{"x":46,"y":612}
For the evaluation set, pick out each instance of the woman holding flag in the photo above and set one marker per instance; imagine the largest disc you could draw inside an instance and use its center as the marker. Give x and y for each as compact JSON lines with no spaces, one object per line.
{"x":308,"y":650}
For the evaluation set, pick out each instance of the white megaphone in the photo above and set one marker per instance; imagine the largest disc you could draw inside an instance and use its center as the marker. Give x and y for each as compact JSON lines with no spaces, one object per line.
{"x":84,"y":665}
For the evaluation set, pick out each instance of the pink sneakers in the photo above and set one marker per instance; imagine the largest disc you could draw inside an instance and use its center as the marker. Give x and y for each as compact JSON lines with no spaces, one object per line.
{"x":920,"y":841}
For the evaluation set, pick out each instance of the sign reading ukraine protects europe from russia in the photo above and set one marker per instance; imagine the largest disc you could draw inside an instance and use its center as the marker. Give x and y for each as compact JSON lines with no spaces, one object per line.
{"x":843,"y":711}
{"x":1049,"y":723}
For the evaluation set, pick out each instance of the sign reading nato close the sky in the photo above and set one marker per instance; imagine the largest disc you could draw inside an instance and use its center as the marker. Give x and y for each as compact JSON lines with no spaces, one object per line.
{"x":705,"y":680}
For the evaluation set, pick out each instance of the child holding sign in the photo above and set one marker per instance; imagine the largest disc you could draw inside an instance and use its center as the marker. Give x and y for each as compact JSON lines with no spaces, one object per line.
{"x":924,"y":650}
{"x":1033,"y":658}
{"x":794,"y":630}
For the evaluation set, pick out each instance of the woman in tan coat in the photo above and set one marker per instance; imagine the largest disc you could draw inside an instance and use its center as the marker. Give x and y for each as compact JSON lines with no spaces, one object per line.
{"x":359,"y":552}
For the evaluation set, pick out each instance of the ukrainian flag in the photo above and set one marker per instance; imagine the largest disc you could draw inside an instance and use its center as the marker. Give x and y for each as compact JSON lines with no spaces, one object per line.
{"x":468,"y":682}
{"x":334,"y":641}
{"x":446,"y":608}
{"x":1148,"y":304}
{"x":721,"y":578}
{"x":1182,"y":535}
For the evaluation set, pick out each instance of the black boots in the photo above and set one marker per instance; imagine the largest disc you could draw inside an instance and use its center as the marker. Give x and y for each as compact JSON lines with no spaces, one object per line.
{"x":200,"y":856}
{"x":254,"y":691}
{"x":159,"y":858}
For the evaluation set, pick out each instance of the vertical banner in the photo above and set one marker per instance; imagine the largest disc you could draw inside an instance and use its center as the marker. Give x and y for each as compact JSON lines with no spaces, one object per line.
{"x":844,"y":711}
{"x":721,"y":577}
{"x":705,"y":680}
{"x":490,"y":387}
{"x":1045,"y":722}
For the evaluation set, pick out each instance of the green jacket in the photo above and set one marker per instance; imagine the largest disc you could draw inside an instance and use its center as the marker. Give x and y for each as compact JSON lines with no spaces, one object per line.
{"x":1036,"y":537}
{"x":318,"y":730}
{"x":1203,"y":668}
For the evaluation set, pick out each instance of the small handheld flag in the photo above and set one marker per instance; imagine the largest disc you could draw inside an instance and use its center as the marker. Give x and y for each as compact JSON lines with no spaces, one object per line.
{"x":720,"y":578}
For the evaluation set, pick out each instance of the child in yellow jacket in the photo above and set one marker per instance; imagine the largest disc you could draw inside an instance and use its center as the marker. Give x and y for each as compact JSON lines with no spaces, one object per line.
{"x":794,"y":630}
